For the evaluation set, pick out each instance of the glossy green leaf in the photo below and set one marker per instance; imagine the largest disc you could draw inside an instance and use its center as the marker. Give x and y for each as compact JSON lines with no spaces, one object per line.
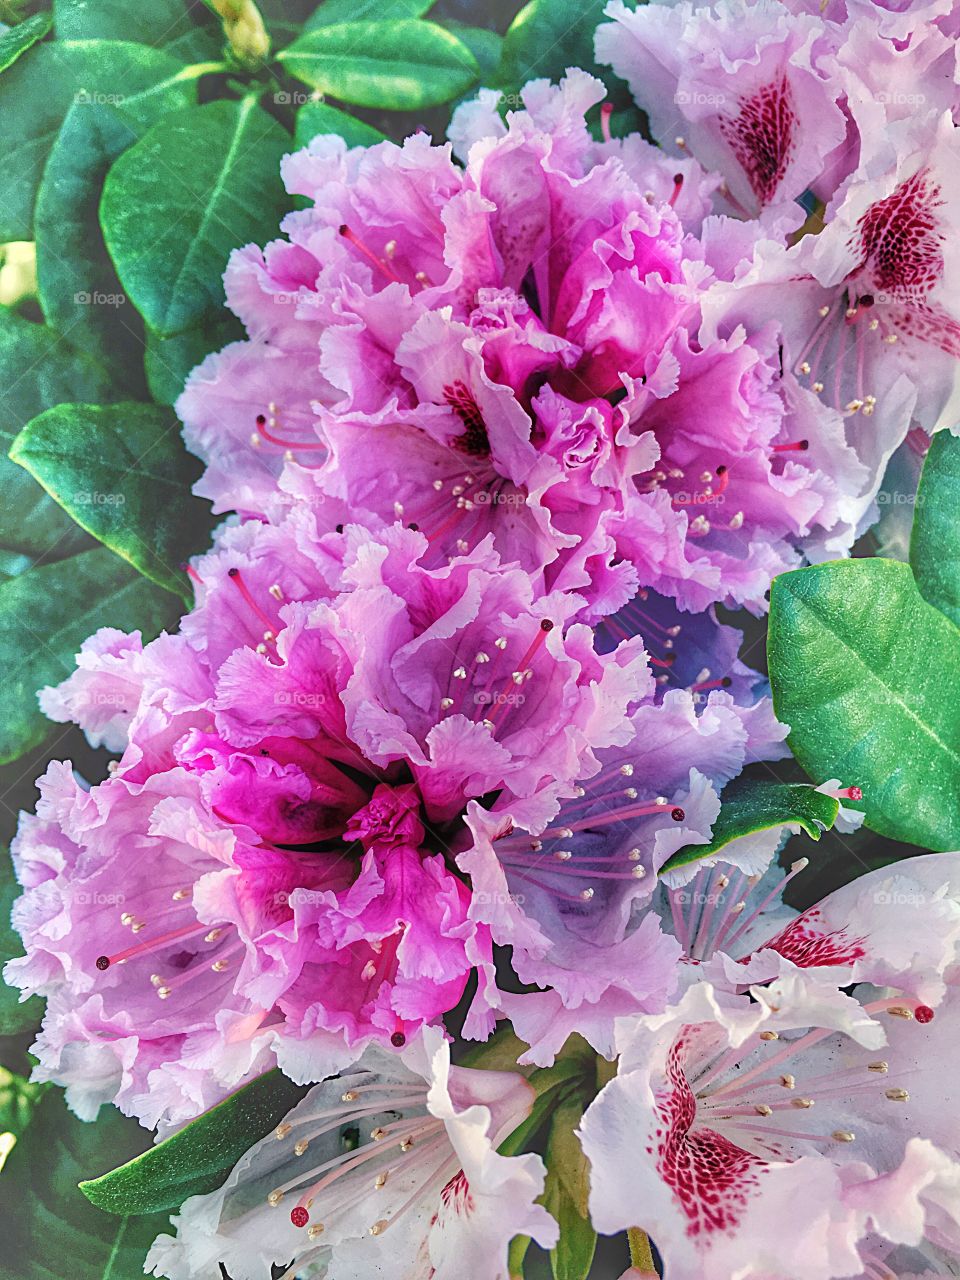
{"x":867,"y":675}
{"x":548,"y":36}
{"x":935,"y":539}
{"x":38,"y":368}
{"x":749,"y":807}
{"x":401,"y":66}
{"x":15,"y":1017}
{"x":198,"y":184}
{"x":78,"y":287}
{"x":485,"y":45}
{"x":154,"y":22}
{"x":19,"y":38}
{"x":168,"y":361}
{"x":334,"y":11}
{"x":316,"y":117}
{"x":123,"y":474}
{"x":47,"y":613}
{"x":566,"y":1193}
{"x":198,"y":1158}
{"x":51,"y":1230}
{"x":35,"y":95}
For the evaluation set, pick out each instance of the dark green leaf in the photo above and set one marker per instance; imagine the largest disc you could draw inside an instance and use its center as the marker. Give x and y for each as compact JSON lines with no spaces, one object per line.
{"x":197,"y":185}
{"x":45,"y":615}
{"x":35,"y":95}
{"x":198,"y":1158}
{"x":935,"y":540}
{"x":566,"y":1193}
{"x":867,"y":675}
{"x":15,"y":1018}
{"x":548,"y":36}
{"x":38,"y":368}
{"x":154,"y":22}
{"x":316,"y":117}
{"x":168,"y":360}
{"x":400,"y":66}
{"x":198,"y":44}
{"x":749,"y":807}
{"x":124,"y":475}
{"x":78,"y":287}
{"x":19,"y":38}
{"x":334,"y":11}
{"x":52,"y":1231}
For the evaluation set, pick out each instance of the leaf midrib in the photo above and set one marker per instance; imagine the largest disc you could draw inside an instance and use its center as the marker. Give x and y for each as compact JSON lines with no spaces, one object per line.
{"x":873,"y":678}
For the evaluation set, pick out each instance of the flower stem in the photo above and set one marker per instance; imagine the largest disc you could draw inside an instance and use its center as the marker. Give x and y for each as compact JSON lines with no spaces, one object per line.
{"x":641,"y":1255}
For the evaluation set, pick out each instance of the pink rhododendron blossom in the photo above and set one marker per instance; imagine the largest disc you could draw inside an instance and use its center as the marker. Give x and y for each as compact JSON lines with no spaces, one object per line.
{"x":521,"y":358}
{"x":570,"y":898}
{"x":423,"y":1193}
{"x":305,"y":787}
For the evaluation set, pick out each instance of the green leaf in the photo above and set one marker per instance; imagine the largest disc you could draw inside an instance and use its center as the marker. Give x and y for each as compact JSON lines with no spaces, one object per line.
{"x":935,"y":539}
{"x":154,"y":22}
{"x":198,"y":1158}
{"x":749,"y":807}
{"x":124,"y":475}
{"x":197,"y":185}
{"x":35,"y":95}
{"x":314,"y":118}
{"x":547,"y":36}
{"x":78,"y":287}
{"x":401,"y":66}
{"x":167,"y":361}
{"x":15,"y":1017}
{"x":332,"y":12}
{"x":45,"y":615}
{"x":19,"y":38}
{"x":486,"y":46}
{"x":867,"y":675}
{"x":38,"y":368}
{"x":566,"y":1193}
{"x":51,"y":1229}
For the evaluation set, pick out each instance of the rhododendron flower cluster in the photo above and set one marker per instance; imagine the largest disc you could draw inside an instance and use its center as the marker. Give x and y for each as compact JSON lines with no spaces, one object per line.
{"x":453,"y":710}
